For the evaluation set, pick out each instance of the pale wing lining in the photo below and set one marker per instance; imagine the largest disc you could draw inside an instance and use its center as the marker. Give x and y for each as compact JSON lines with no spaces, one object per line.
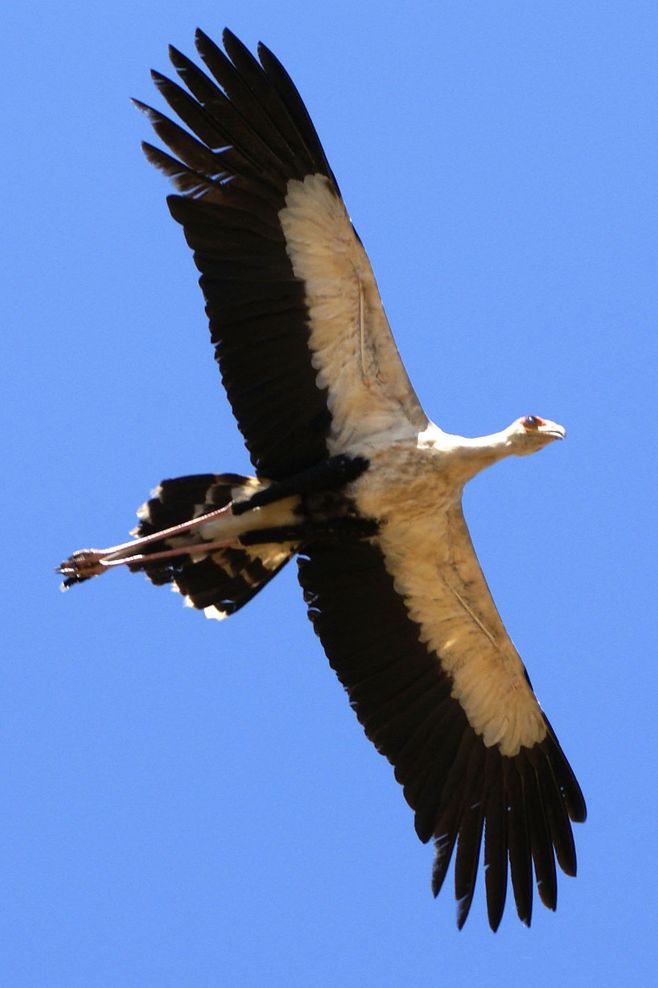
{"x":435,"y":569}
{"x":353,"y":349}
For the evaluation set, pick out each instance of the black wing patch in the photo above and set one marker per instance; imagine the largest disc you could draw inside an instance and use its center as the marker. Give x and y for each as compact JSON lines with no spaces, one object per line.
{"x":458,"y":788}
{"x":253,"y":135}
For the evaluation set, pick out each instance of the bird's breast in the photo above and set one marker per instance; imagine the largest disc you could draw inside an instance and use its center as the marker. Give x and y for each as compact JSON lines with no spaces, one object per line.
{"x":408,"y":482}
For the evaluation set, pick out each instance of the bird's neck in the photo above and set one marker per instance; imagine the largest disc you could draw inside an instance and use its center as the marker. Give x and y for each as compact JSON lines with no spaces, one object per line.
{"x":473,"y":455}
{"x":488,"y":449}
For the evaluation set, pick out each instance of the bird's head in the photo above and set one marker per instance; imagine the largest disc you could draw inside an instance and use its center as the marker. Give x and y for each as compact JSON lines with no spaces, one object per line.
{"x":531,"y":433}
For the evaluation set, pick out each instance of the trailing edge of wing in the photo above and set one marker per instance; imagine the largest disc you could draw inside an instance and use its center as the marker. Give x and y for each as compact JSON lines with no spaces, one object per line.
{"x":458,"y":788}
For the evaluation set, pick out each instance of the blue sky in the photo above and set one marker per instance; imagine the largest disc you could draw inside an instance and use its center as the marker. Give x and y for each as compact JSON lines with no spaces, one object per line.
{"x":186,"y":803}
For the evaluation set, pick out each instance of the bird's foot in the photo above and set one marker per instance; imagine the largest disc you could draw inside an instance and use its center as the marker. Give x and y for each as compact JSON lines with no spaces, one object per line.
{"x":81,"y":566}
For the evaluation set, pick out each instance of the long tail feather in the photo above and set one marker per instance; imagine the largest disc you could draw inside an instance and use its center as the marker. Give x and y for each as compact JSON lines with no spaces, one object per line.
{"x":218,"y":582}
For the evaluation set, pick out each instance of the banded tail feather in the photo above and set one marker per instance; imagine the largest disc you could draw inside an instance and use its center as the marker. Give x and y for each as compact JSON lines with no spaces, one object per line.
{"x":218,"y":582}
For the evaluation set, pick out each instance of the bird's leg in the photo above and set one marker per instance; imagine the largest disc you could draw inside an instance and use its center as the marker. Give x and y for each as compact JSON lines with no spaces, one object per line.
{"x":330,"y":475}
{"x":85,"y":563}
{"x":312,"y":531}
{"x":295,"y":533}
{"x":182,"y":550}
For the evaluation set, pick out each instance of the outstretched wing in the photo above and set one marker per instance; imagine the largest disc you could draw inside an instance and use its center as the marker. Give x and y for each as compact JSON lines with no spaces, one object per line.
{"x":411,"y":630}
{"x":304,"y":347}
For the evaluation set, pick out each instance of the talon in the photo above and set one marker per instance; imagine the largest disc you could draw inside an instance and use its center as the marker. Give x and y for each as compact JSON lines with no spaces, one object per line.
{"x":82,"y":565}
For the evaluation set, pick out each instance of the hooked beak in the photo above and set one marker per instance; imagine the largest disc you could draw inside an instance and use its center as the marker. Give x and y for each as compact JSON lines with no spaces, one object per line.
{"x":553,"y":430}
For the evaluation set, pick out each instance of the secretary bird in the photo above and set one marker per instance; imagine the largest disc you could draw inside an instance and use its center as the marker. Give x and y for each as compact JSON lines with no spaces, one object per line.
{"x":353,"y":479}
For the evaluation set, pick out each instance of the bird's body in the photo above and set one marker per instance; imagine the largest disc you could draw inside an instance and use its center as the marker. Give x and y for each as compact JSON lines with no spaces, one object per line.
{"x":354,"y":479}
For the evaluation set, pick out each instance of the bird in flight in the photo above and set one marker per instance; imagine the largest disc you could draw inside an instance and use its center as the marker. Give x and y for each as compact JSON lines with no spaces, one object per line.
{"x":352,"y":479}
